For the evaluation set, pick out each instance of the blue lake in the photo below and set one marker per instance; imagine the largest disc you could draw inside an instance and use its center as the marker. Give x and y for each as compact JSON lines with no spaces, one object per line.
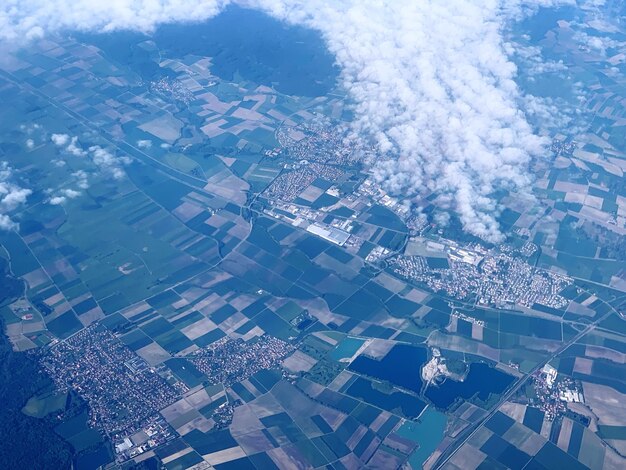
{"x":396,"y":402}
{"x":482,"y":380}
{"x":401,"y":366}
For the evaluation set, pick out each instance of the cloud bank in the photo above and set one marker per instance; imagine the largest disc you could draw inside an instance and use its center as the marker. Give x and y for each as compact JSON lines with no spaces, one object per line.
{"x":430,"y":81}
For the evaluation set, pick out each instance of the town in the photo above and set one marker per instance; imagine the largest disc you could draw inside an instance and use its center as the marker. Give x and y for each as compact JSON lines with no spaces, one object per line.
{"x":229,"y":361}
{"x":491,"y":278}
{"x":120,"y":388}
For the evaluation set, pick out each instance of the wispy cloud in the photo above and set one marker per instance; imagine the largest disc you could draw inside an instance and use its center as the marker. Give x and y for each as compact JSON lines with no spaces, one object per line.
{"x":102,"y":158}
{"x":431,"y":83}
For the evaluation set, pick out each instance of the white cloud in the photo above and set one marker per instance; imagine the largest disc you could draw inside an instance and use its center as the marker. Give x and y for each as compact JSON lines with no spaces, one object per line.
{"x":74,"y":148}
{"x":435,"y":90}
{"x":532,"y":61}
{"x":106,"y":161}
{"x":144,"y":144}
{"x":71,"y":193}
{"x":82,"y":179}
{"x":598,"y":44}
{"x":431,"y":83}
{"x":60,"y":139}
{"x":69,"y":144}
{"x":57,"y":200}
{"x":11,"y":196}
{"x":63,"y":195}
{"x":6,"y":223}
{"x":31,"y":19}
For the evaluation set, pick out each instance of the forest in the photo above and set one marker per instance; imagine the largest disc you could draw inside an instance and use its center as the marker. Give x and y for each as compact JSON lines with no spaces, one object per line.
{"x":26,"y":442}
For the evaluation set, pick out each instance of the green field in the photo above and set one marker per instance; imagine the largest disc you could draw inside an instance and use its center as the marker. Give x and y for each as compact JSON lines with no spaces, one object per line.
{"x":40,"y":406}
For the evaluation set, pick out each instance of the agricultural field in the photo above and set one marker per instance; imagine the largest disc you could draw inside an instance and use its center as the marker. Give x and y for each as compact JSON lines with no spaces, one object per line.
{"x":210,"y":274}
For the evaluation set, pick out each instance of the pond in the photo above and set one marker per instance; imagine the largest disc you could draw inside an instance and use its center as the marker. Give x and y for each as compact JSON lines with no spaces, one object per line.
{"x":346,"y":348}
